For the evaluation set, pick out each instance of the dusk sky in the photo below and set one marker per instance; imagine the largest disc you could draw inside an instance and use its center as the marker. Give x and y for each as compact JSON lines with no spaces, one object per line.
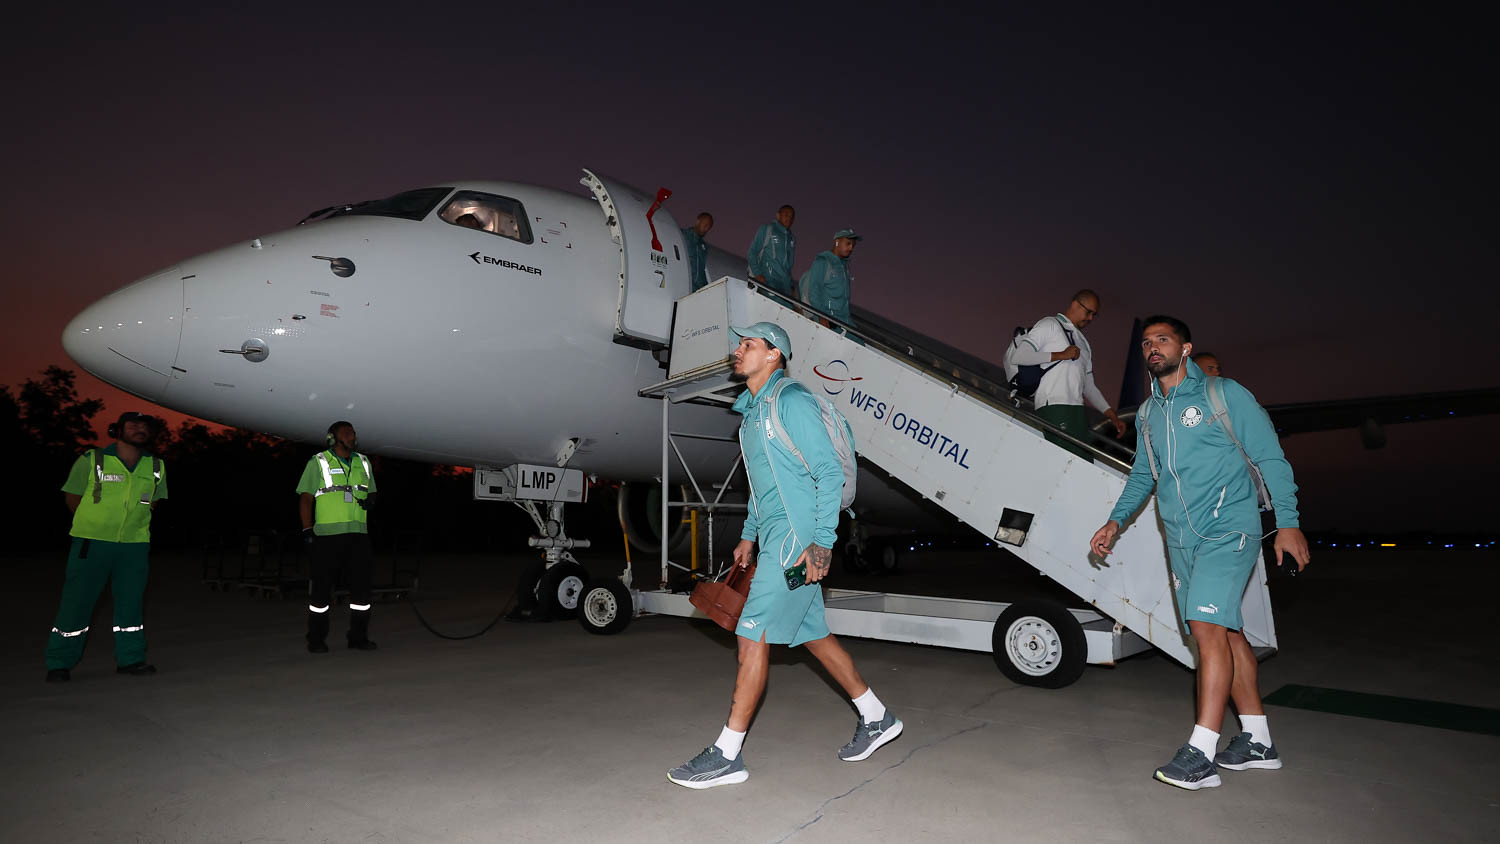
{"x":1309,"y":190}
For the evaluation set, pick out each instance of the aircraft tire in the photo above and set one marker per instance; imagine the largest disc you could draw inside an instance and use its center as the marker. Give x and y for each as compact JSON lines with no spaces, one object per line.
{"x":852,"y":561}
{"x":888,"y":560}
{"x":560,"y":589}
{"x":1039,"y":643}
{"x":604,"y":607}
{"x":526,"y":586}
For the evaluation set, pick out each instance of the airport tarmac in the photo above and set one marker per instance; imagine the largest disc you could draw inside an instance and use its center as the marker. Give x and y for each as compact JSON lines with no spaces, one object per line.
{"x":541,"y":732}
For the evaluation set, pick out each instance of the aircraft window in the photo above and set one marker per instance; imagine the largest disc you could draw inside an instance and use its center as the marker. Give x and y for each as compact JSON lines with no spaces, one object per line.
{"x":409,"y":205}
{"x":488,"y":212}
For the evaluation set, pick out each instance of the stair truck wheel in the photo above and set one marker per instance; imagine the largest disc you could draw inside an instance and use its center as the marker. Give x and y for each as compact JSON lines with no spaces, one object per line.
{"x":605,"y":607}
{"x":1039,"y":643}
{"x":558,"y":591}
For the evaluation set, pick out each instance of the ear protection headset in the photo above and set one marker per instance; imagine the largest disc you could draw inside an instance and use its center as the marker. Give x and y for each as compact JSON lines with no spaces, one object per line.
{"x":118,"y":426}
{"x":332,"y":436}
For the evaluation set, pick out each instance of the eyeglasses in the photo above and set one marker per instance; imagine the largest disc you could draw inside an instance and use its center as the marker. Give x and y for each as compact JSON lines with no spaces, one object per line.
{"x":1090,"y":312}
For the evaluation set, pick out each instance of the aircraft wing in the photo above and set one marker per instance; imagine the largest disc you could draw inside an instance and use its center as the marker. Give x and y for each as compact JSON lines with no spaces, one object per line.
{"x":1374,"y":411}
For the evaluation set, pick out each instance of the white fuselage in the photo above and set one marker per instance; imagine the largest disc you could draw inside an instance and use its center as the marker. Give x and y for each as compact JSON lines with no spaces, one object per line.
{"x":445,"y":344}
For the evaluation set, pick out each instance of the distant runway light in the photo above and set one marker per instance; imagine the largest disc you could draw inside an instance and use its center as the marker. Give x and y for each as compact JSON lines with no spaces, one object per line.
{"x":1387,"y":545}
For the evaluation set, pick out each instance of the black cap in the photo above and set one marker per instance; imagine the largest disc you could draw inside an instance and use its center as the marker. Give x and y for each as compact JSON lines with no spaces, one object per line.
{"x":134,"y":416}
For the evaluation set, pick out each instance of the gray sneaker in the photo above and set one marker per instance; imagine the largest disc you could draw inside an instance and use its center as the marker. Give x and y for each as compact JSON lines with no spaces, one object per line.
{"x":868,"y":738}
{"x":1189,"y":769}
{"x":1243,"y":754}
{"x":709,"y":769}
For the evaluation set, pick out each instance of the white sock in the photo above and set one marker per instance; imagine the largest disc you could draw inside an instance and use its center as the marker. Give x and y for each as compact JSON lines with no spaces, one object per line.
{"x":870,"y":707}
{"x":1256,"y":726}
{"x":1205,"y":740}
{"x":730,"y":742}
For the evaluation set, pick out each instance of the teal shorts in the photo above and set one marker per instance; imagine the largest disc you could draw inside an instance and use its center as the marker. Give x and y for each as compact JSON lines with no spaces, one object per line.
{"x":1209,"y":580}
{"x":774,"y":613}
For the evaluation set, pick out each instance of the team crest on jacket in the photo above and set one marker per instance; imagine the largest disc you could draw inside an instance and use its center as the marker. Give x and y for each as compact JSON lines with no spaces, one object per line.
{"x":1192,"y":416}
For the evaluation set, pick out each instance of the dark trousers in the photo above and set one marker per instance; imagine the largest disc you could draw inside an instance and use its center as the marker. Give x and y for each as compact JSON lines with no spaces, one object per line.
{"x":92,"y":563}
{"x":1072,"y":419}
{"x":345,"y":558}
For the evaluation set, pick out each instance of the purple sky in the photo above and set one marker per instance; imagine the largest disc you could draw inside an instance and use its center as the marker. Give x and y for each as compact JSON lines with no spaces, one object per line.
{"x":1305,"y":191}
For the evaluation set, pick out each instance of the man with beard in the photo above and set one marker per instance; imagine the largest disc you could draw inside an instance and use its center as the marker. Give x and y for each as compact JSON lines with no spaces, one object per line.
{"x":794,"y":510}
{"x":112,"y":492}
{"x":1189,"y":440}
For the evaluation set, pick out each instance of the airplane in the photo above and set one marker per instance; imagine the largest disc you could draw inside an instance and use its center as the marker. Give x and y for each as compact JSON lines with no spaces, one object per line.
{"x":472,"y":323}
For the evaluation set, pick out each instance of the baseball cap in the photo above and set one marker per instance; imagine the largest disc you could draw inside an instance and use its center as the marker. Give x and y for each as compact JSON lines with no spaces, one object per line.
{"x":849,"y":233}
{"x":769,"y":332}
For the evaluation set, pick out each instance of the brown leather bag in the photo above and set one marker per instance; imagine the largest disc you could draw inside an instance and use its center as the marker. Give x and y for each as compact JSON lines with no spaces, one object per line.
{"x":723,"y":601}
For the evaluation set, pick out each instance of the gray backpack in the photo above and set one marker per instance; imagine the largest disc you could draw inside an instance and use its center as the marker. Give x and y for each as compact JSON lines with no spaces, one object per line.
{"x":839,"y":433}
{"x":1215,"y":389}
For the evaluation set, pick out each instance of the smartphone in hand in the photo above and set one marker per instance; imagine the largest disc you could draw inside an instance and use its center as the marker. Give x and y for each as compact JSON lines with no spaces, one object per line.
{"x":796,"y":576}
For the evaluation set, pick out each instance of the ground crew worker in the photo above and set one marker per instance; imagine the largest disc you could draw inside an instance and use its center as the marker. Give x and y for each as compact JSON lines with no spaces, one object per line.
{"x":1207,"y":501}
{"x":336,"y":493}
{"x":697,"y":249}
{"x":112,"y":492}
{"x":773,"y":251}
{"x":825,"y":285}
{"x":794,"y":510}
{"x":1058,"y":343}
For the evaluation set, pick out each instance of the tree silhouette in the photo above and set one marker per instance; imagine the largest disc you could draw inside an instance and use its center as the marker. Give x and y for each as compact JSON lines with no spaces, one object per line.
{"x":44,"y":426}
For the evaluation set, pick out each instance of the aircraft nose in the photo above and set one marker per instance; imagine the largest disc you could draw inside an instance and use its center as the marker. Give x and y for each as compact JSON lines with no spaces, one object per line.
{"x":129,"y":338}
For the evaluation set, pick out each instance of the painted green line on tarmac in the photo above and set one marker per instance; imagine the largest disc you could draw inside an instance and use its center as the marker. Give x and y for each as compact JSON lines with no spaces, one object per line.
{"x":1401,"y":710}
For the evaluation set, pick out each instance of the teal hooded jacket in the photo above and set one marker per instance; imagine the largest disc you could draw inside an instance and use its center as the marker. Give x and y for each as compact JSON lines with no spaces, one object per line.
{"x":1204,"y":491}
{"x":781,"y":488}
{"x":772,"y":253}
{"x":825,"y":285}
{"x":697,"y":255}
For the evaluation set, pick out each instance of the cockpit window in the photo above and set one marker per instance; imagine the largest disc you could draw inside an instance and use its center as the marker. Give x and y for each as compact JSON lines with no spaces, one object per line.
{"x":488,"y":212}
{"x":409,"y":205}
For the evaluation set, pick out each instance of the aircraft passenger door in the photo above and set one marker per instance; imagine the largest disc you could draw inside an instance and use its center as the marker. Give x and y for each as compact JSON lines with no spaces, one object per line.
{"x":653,"y":268}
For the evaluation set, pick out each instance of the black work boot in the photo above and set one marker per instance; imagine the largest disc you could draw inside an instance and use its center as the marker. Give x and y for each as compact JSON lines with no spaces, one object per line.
{"x":137,"y":669}
{"x":317,"y":632}
{"x":359,"y":631}
{"x":58,"y":675}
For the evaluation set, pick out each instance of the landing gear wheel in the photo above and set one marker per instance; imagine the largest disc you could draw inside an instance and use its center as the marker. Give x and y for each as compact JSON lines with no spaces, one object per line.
{"x":558,"y":590}
{"x":526,"y":603}
{"x":605,"y":607}
{"x":1039,"y":643}
{"x":889,"y":559}
{"x":853,"y":562}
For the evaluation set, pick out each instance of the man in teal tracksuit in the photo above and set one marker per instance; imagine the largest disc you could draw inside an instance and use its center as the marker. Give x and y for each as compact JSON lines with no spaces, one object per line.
{"x":773,"y":251}
{"x":697,"y":249}
{"x":794,"y":511}
{"x":825,"y":285}
{"x":1207,"y":500}
{"x":112,"y":492}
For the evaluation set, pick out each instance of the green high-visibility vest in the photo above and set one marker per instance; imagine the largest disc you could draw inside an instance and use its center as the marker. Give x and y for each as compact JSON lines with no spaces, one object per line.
{"x":116,"y":506}
{"x":341,"y":480}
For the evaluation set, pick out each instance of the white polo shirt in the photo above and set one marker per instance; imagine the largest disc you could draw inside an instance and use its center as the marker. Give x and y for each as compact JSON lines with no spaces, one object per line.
{"x":1066,"y":381}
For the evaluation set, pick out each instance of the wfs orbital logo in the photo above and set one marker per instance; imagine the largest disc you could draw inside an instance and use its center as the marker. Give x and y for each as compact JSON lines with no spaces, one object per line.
{"x":835,"y":375}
